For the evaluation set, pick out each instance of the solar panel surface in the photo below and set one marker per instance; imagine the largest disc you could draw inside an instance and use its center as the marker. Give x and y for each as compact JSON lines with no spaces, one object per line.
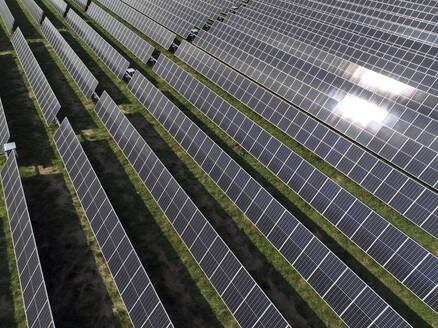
{"x":85,"y":80}
{"x":388,"y":246}
{"x":355,"y":302}
{"x":6,"y":15}
{"x":241,"y":294}
{"x":59,"y":5}
{"x":111,"y":57}
{"x":410,"y":198}
{"x":44,"y":94}
{"x":4,"y":129}
{"x":138,"y":294}
{"x":35,"y":11}
{"x":133,"y":42}
{"x":33,"y":287}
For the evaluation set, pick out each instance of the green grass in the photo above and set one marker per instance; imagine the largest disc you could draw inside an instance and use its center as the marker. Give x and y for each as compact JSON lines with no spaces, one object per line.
{"x":284,"y":286}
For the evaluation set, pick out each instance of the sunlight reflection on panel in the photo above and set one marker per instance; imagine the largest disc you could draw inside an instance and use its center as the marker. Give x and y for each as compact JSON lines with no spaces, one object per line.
{"x":360,"y":111}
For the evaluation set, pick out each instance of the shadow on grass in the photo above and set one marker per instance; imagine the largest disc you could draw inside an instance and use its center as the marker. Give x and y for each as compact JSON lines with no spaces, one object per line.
{"x":7,"y":317}
{"x":71,"y":105}
{"x":76,"y":291}
{"x":293,"y":307}
{"x":399,"y":305}
{"x":29,"y":31}
{"x":176,"y":288}
{"x":105,"y":82}
{"x":26,"y":128}
{"x":5,"y":44}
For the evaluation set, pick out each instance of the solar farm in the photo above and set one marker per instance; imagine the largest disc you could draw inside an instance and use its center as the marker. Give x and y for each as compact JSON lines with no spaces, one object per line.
{"x":202,"y":163}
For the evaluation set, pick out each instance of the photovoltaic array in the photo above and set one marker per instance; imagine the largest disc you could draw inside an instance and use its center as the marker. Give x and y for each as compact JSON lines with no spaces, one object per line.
{"x":6,"y":15}
{"x":134,"y":43}
{"x":383,"y":242}
{"x":148,"y":27}
{"x":4,"y":129}
{"x":44,"y":95}
{"x":245,"y":299}
{"x":59,"y":5}
{"x":174,"y":15}
{"x":139,"y":296}
{"x":351,"y":99}
{"x":356,"y":303}
{"x":85,"y":80}
{"x":36,"y":302}
{"x":408,"y":197}
{"x":35,"y":11}
{"x":112,"y":59}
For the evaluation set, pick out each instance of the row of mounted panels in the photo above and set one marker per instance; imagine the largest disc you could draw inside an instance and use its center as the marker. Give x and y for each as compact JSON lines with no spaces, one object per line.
{"x":351,"y":318}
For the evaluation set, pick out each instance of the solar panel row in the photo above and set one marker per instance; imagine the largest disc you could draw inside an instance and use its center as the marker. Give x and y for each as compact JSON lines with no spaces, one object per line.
{"x":6,"y":15}
{"x":81,"y":3}
{"x":355,"y":302}
{"x":35,"y":11}
{"x":147,"y":26}
{"x":388,"y":246}
{"x":409,"y":198}
{"x":134,"y":43}
{"x":171,"y":14}
{"x":344,"y":106}
{"x":408,"y":59}
{"x":59,"y":5}
{"x":44,"y":95}
{"x":138,"y":294}
{"x":245,"y":299}
{"x":85,"y":80}
{"x":109,"y":56}
{"x":389,"y":19}
{"x":4,"y":129}
{"x":33,"y":288}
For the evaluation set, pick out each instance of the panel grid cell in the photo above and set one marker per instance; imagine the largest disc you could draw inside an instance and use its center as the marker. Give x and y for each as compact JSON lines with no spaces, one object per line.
{"x":109,"y":56}
{"x":85,"y":80}
{"x":138,"y":294}
{"x":44,"y":94}
{"x":36,"y":301}
{"x":299,"y":246}
{"x":401,"y":193}
{"x":241,"y":294}
{"x":81,"y":3}
{"x":6,"y":15}
{"x":134,"y":43}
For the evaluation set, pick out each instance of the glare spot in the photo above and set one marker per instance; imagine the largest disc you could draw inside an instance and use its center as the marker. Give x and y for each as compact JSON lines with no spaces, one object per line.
{"x":360,"y":111}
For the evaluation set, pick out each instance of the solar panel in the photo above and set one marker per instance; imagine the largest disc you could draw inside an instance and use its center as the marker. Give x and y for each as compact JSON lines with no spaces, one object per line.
{"x":375,"y":117}
{"x":112,"y":59}
{"x":241,"y":294}
{"x":138,"y":294}
{"x":338,"y":206}
{"x":85,"y":80}
{"x":172,"y":14}
{"x":413,"y":22}
{"x":147,"y":26}
{"x":340,"y":287}
{"x":33,"y":288}
{"x":44,"y":95}
{"x":394,"y":188}
{"x":6,"y":15}
{"x":81,"y":3}
{"x":4,"y":129}
{"x":35,"y":11}
{"x":59,"y":5}
{"x":134,"y":43}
